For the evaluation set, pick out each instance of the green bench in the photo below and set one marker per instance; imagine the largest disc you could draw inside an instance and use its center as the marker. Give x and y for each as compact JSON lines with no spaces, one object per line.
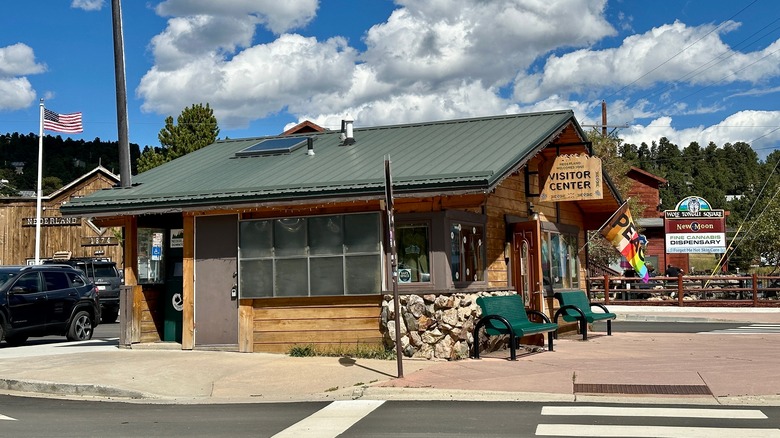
{"x":506,"y":315}
{"x":575,"y":306}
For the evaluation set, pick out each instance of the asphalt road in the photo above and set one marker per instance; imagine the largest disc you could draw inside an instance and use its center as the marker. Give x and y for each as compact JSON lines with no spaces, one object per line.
{"x":37,"y":417}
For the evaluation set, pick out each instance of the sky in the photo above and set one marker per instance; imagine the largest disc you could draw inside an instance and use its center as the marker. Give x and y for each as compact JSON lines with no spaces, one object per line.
{"x":697,"y":70}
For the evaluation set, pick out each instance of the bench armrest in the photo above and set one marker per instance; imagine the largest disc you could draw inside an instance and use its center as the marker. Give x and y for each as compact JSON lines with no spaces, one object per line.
{"x":482,"y":321}
{"x":600,"y":306}
{"x":539,"y":314}
{"x":567,"y":307}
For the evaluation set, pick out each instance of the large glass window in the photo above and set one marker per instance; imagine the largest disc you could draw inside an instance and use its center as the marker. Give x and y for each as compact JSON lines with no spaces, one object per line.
{"x":310,"y":256}
{"x":150,"y":255}
{"x":560,"y":265}
{"x":467,"y":252}
{"x":412,"y":247}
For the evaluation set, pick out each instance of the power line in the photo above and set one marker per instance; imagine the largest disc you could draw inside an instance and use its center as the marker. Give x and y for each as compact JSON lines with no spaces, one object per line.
{"x":682,"y":50}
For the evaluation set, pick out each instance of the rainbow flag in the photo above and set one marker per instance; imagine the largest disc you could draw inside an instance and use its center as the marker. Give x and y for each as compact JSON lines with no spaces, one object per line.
{"x":622,"y":233}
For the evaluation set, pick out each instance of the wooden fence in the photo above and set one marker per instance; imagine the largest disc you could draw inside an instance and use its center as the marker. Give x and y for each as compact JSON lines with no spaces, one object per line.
{"x":687,"y":290}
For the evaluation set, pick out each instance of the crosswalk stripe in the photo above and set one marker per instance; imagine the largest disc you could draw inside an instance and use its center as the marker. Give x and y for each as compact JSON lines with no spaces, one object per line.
{"x":590,"y":430}
{"x":3,"y":417}
{"x":615,"y":411}
{"x":332,"y":420}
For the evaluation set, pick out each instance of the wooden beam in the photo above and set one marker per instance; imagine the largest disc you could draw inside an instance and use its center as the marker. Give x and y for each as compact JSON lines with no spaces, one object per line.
{"x":246,"y":326}
{"x":188,"y":292}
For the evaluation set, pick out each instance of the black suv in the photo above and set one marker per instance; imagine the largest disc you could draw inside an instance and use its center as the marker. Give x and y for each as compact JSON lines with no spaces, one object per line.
{"x":104,"y":274}
{"x":46,"y":300}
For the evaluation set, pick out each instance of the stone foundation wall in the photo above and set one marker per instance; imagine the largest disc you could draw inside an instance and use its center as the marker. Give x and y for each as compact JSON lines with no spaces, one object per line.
{"x":437,"y":326}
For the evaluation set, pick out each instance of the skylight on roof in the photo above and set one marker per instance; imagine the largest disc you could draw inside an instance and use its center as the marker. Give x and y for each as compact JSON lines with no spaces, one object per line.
{"x":273,"y":146}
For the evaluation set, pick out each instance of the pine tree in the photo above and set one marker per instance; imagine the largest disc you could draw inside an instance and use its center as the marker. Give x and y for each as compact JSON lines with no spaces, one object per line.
{"x":196,"y":127}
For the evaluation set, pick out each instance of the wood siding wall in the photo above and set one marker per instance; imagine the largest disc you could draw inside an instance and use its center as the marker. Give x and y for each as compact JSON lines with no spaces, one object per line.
{"x":17,"y":242}
{"x":148,"y":308}
{"x":336,"y":323}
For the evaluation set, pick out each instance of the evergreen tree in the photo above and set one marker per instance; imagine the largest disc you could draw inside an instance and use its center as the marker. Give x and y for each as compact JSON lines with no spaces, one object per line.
{"x":196,"y":127}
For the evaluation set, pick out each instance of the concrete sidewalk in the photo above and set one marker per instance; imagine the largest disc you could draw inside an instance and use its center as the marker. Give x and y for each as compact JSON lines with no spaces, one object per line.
{"x":723,"y":368}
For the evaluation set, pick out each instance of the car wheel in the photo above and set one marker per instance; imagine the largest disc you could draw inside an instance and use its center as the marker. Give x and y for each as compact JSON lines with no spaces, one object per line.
{"x":80,"y":327}
{"x":14,"y":340}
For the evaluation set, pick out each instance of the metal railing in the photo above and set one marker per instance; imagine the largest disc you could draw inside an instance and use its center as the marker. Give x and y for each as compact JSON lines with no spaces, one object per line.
{"x":688,"y":290}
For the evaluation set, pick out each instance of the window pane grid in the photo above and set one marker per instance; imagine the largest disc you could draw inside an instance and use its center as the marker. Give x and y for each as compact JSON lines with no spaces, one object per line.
{"x":309,"y":256}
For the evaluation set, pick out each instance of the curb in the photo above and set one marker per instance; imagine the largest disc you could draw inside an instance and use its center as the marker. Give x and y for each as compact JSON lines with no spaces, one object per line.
{"x":70,"y":389}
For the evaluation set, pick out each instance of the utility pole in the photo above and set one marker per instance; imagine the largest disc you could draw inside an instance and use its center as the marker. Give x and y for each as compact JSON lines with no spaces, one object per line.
{"x":121,"y":95}
{"x":604,"y":124}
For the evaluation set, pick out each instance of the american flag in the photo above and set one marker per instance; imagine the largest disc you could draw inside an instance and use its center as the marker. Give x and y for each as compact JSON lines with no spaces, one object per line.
{"x":70,"y":123}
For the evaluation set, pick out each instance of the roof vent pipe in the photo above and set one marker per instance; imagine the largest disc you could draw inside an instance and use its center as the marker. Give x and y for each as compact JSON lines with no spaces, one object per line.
{"x":309,"y":146}
{"x":347,"y":133}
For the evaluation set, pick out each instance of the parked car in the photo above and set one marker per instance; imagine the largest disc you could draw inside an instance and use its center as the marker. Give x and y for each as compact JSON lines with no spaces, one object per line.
{"x":106,"y":277}
{"x":46,"y":300}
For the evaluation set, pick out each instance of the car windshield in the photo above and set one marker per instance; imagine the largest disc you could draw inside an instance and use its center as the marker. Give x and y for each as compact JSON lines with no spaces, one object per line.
{"x":105,"y":271}
{"x":7,"y":275}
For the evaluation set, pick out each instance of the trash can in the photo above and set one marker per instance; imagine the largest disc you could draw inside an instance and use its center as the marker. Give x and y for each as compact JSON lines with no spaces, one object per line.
{"x":172,"y":316}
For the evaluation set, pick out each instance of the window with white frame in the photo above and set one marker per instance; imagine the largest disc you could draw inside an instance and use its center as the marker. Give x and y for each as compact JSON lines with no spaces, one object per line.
{"x":310,"y":256}
{"x":467,"y":251}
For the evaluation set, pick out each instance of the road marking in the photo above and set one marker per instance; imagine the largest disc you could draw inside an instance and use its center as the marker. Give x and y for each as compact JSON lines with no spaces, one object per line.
{"x":752,"y":329}
{"x":589,"y":430}
{"x":614,"y":411}
{"x":332,"y":420}
{"x":3,"y":417}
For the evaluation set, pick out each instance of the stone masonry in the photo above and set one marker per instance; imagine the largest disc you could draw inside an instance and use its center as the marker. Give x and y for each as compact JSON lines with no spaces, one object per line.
{"x":437,"y":326}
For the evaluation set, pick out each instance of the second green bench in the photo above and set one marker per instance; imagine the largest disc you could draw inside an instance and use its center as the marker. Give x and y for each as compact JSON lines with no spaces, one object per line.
{"x":575,"y":306}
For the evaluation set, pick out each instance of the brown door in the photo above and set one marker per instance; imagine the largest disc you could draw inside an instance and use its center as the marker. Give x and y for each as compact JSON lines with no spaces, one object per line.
{"x":216,"y":267}
{"x":527,"y":269}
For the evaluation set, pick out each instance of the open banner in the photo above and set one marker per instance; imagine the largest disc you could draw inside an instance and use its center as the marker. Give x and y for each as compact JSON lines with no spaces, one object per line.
{"x":622,"y":233}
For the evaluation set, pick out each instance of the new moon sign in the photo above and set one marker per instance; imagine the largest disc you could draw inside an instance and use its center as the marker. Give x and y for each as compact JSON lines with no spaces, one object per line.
{"x":695,"y":227}
{"x":573,"y":178}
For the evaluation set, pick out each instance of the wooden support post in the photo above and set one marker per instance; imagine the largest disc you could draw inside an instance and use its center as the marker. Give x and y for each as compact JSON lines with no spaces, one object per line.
{"x":755,"y":290}
{"x":680,"y":290}
{"x":188,"y":286}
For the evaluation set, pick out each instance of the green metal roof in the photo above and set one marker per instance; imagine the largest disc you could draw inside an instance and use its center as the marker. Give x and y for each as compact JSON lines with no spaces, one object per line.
{"x":456,"y":155}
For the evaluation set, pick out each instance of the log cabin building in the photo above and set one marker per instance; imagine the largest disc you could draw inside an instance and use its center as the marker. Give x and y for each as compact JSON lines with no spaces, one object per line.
{"x":263,"y":244}
{"x":78,"y":236}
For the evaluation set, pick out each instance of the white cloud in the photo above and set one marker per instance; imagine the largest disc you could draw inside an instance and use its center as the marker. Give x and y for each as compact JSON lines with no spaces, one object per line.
{"x":277,"y":16}
{"x":88,"y":5}
{"x":430,"y":59}
{"x":458,"y":102}
{"x":187,"y":39}
{"x":758,"y":128}
{"x":671,"y":53}
{"x":442,"y":41}
{"x":15,"y":93}
{"x":255,"y":83}
{"x":16,"y":62}
{"x":440,"y":59}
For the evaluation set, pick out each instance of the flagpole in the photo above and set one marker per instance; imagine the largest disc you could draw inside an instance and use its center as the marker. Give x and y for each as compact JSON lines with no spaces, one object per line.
{"x":38,"y":204}
{"x":602,"y":225}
